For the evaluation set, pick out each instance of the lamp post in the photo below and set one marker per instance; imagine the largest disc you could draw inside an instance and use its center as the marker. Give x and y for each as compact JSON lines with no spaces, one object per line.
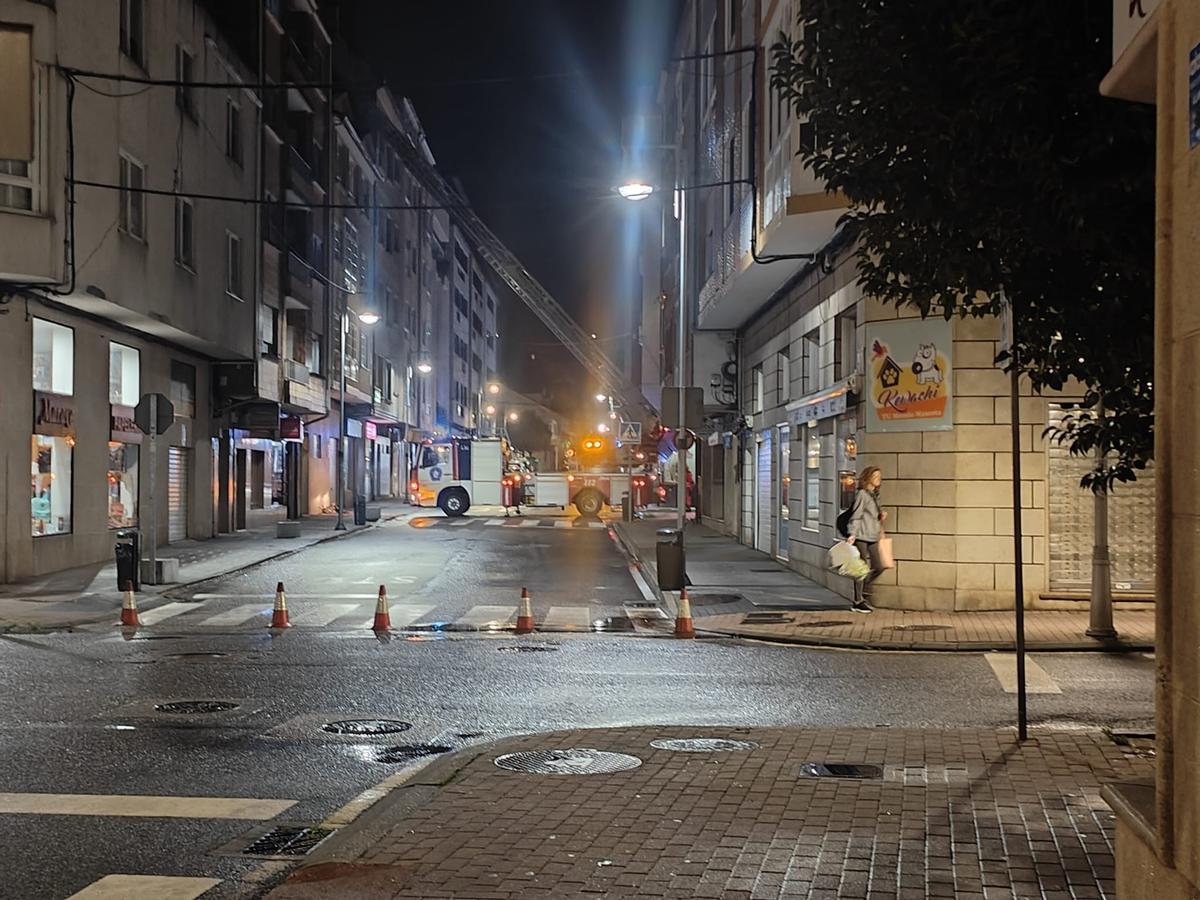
{"x":636,"y":191}
{"x":367,"y":317}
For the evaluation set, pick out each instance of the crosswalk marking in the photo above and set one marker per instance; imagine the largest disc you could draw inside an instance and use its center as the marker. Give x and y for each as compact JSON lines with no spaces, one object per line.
{"x":139,"y":805}
{"x":530,"y":523}
{"x":145,"y":887}
{"x":1037,"y":679}
{"x":488,"y":615}
{"x":573,"y":616}
{"x":150,"y":617}
{"x":402,"y":615}
{"x":322,"y":613}
{"x":494,"y":522}
{"x":562,"y":523}
{"x":239,"y":614}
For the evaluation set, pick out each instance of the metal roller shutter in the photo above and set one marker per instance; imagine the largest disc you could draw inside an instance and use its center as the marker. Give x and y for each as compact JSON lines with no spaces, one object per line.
{"x":179,"y":477}
{"x":1130,"y":525}
{"x":762,"y":532}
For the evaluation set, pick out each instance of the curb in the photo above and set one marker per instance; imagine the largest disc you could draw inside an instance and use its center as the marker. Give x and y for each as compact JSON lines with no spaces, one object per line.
{"x":931,"y":646}
{"x":629,"y":549}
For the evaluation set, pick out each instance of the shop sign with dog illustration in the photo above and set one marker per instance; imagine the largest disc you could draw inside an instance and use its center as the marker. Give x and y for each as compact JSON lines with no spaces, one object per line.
{"x":909,"y":375}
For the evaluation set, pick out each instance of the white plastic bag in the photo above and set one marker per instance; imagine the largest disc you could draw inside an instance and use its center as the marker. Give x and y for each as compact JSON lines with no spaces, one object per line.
{"x":846,"y":559}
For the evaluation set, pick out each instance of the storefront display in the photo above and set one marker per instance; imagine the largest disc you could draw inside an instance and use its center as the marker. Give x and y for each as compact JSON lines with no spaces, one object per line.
{"x":122,"y":484}
{"x":51,"y":484}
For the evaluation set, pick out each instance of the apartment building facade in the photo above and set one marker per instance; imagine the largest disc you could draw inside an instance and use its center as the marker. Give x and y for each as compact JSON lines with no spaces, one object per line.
{"x":123,"y":287}
{"x":790,"y":356}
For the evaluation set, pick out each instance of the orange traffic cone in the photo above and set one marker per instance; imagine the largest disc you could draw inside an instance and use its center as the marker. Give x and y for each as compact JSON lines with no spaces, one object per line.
{"x":383,"y":619}
{"x":279,"y":616}
{"x":525,"y":613}
{"x":129,"y":613}
{"x":683,"y":617}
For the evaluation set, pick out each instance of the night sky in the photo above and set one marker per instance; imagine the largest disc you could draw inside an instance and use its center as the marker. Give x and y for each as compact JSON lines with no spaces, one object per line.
{"x":537,"y":152}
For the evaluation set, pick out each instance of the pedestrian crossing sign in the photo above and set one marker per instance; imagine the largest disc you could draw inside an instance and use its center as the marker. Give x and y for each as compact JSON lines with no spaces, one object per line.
{"x":631,"y":432}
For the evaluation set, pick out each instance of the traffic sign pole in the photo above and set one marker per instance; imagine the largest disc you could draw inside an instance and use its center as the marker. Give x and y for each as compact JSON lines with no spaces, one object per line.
{"x":153,"y":579}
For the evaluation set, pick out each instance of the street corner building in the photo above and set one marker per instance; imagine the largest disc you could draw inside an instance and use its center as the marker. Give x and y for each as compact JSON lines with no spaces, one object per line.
{"x":806,"y":381}
{"x":182,"y":214}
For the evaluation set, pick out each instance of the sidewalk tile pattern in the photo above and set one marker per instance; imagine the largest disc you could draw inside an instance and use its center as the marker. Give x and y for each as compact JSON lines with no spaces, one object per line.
{"x":967,"y":814}
{"x":901,"y":628}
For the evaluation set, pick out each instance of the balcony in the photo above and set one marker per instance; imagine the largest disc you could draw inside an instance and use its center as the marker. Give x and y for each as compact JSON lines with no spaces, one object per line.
{"x":308,"y":397}
{"x":268,"y":378}
{"x":296,"y":372}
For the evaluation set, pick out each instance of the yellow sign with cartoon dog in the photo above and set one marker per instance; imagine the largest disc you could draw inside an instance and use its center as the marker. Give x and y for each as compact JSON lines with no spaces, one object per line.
{"x":909,"y":375}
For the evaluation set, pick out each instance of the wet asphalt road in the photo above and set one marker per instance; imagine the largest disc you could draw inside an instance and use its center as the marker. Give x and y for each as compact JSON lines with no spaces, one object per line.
{"x":78,"y":714}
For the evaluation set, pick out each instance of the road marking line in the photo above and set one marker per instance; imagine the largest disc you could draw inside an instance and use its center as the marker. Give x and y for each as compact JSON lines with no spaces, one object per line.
{"x":403,"y":615}
{"x":494,"y":522}
{"x":269,"y":597}
{"x":562,"y":523}
{"x":153,"y":616}
{"x":239,"y":614}
{"x":488,"y":615}
{"x":596,"y":525}
{"x":1037,"y":679}
{"x":146,"y":887}
{"x":324,"y":613}
{"x":138,"y":805}
{"x":531,"y":523}
{"x":578,"y":616}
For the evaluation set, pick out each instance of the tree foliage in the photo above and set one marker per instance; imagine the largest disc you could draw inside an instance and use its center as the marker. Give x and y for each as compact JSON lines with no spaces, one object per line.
{"x":980,"y":160}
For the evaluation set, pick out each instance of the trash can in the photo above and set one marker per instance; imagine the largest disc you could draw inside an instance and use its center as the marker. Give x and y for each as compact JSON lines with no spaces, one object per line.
{"x":669,"y":556}
{"x":128,"y":551}
{"x":627,"y":507}
{"x":360,"y":509}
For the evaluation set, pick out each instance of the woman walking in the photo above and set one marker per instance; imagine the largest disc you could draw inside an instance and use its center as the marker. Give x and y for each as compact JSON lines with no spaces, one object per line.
{"x":866,"y":528}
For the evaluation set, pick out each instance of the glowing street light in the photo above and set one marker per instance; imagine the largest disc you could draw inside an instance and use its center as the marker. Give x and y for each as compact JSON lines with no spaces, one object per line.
{"x":512,"y":416}
{"x":602,"y":428}
{"x":490,"y":409}
{"x":600,"y":398}
{"x":369,"y":317}
{"x":635,"y":190}
{"x":424,"y":367}
{"x":493,"y":388}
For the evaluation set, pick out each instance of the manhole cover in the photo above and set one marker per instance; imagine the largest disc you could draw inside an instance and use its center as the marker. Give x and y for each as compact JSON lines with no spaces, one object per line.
{"x":527,"y":648}
{"x":919,"y":627}
{"x":408,"y":752}
{"x":703,"y":745}
{"x":366,"y":726}
{"x":195,"y":655}
{"x":195,"y":707}
{"x":573,"y":761}
{"x":826,"y":623}
{"x":288,"y":841}
{"x":841,"y":770}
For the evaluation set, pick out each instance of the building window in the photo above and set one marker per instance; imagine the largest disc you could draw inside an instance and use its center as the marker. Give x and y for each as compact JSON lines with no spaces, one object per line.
{"x":846,"y":335}
{"x":785,"y":377}
{"x":183,"y":389}
{"x":133,"y":201}
{"x":132,"y":31}
{"x":16,"y":184}
{"x":185,"y":94}
{"x":122,"y":484}
{"x":53,"y":358}
{"x":233,"y":265}
{"x":268,"y":332}
{"x":812,"y":479}
{"x":51,"y":484}
{"x":757,"y":375}
{"x":233,"y":131}
{"x":124,"y":375}
{"x":812,"y":361}
{"x":184,"y":216}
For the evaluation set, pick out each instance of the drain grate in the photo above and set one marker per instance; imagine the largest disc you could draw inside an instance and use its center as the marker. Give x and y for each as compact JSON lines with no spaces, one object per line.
{"x":766,"y":618}
{"x":842,"y":770}
{"x":366,"y":726}
{"x":826,"y":623}
{"x":703,"y":745}
{"x":527,"y":648}
{"x":288,"y":841}
{"x":569,"y":761}
{"x":919,"y":627}
{"x":408,"y":752}
{"x":195,"y":707}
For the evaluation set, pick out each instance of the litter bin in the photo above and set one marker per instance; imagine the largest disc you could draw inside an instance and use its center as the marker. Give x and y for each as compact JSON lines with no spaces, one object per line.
{"x":360,"y":509}
{"x":669,"y":556}
{"x":627,"y":507}
{"x":128,"y":551}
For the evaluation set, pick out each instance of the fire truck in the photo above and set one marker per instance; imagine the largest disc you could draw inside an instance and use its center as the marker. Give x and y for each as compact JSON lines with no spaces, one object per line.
{"x":458,"y":473}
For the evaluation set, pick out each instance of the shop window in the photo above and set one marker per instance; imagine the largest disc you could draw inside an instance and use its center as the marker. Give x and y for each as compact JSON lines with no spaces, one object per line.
{"x":122,"y":484}
{"x":812,"y":479}
{"x":124,"y":375}
{"x":51,"y":484}
{"x":183,"y":389}
{"x":53,"y":358}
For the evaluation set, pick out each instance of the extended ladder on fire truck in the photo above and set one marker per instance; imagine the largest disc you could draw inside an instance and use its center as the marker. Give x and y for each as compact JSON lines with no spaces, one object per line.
{"x":529,"y":289}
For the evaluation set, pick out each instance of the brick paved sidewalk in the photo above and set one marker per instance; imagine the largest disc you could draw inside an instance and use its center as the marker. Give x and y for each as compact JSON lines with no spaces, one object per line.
{"x":739,"y":592}
{"x":966,"y":814}
{"x":901,"y":630}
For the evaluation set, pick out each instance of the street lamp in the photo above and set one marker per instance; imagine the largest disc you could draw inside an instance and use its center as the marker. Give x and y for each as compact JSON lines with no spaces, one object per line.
{"x":490,"y":409}
{"x":493,"y":388}
{"x":636,"y":190}
{"x":513,"y":416}
{"x":600,"y":398}
{"x":424,"y":367}
{"x":367,"y":317}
